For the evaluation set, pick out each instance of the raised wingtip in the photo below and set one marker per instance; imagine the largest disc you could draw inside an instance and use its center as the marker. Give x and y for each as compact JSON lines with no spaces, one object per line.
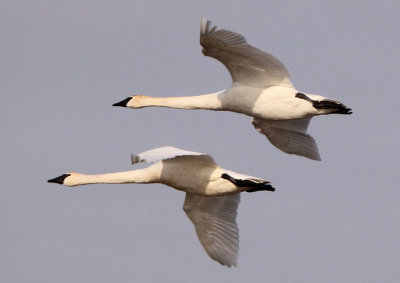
{"x":203,"y":22}
{"x":135,"y":159}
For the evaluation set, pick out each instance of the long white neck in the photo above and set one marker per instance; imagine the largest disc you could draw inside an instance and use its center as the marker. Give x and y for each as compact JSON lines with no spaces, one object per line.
{"x":141,"y":176}
{"x":209,"y":101}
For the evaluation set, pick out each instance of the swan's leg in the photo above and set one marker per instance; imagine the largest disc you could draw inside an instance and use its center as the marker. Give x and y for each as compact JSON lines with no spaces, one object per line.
{"x":331,"y":104}
{"x":336,"y":106}
{"x":264,"y":188}
{"x":254,"y":186}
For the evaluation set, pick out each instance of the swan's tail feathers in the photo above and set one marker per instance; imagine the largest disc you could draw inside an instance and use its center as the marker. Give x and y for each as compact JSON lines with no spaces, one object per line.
{"x":330,"y":106}
{"x":253,"y":184}
{"x":289,"y":136}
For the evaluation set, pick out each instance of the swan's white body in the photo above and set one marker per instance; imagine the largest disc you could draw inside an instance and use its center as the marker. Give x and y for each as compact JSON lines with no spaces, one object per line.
{"x":261,"y":89}
{"x":212,"y":193}
{"x":273,"y":103}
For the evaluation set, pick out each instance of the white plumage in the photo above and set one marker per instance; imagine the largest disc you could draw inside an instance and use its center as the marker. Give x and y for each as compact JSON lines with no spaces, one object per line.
{"x":212,"y":193}
{"x":261,"y":88}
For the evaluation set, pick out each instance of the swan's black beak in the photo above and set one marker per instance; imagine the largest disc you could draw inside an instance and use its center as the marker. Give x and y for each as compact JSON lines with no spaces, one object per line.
{"x":123,"y":103}
{"x":59,"y":180}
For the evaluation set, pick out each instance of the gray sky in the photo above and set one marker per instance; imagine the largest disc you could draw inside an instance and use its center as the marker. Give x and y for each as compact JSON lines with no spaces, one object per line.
{"x":64,"y":63}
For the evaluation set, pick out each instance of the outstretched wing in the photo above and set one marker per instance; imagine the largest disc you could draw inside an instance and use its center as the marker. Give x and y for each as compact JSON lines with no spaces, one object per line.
{"x":246,"y":64}
{"x":166,"y":152}
{"x":214,"y":219}
{"x":290,"y":136}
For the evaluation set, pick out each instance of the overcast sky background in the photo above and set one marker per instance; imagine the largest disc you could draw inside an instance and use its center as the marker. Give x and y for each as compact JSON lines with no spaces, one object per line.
{"x":64,"y":63}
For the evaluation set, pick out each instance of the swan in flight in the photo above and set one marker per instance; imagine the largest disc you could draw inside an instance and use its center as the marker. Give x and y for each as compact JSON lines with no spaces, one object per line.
{"x":261,"y":89}
{"x":212,"y":193}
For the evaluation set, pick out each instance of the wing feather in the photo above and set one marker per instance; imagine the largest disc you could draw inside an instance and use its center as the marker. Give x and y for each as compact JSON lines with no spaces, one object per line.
{"x":214,"y":219}
{"x":290,"y":136}
{"x":246,"y":64}
{"x":166,"y":152}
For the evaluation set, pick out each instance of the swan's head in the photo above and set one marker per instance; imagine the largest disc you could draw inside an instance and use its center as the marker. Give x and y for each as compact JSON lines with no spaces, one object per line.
{"x":67,"y":179}
{"x":135,"y":101}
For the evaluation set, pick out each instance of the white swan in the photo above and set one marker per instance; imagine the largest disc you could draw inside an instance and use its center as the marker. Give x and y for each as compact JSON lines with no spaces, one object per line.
{"x":212,"y":193}
{"x":261,"y":89}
